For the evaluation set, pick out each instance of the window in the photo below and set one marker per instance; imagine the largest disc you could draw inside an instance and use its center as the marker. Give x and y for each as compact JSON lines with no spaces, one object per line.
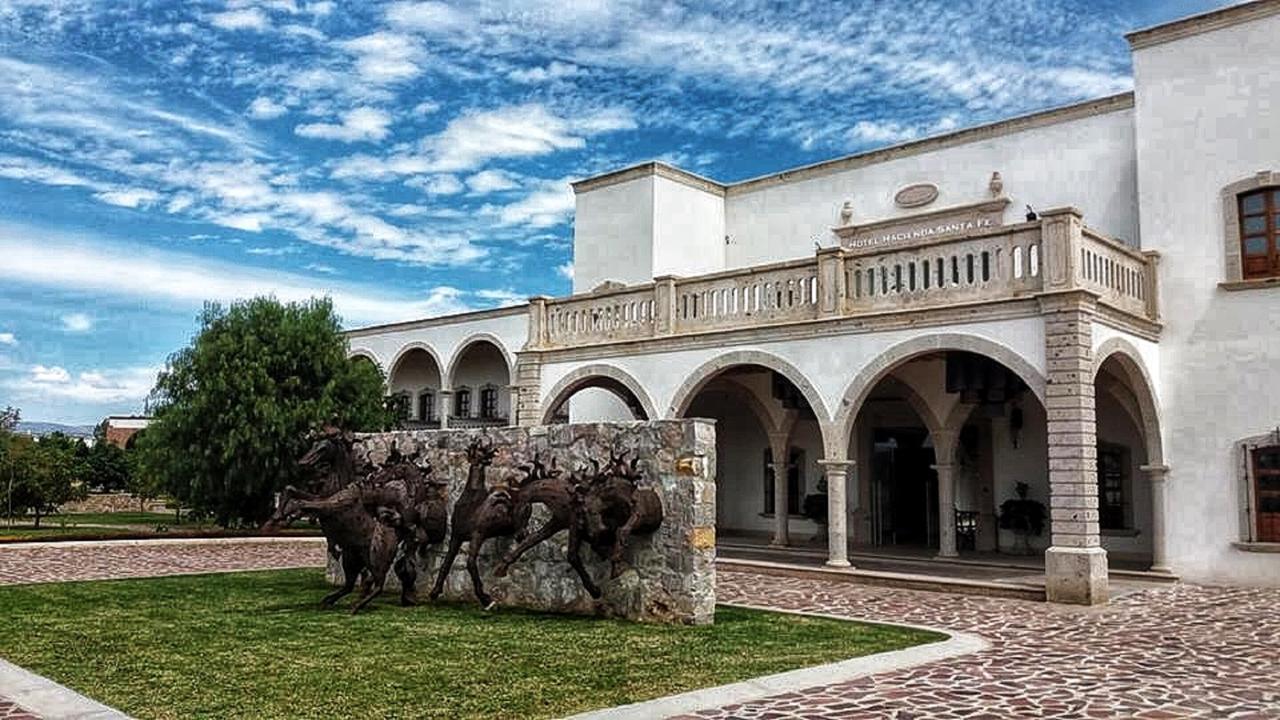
{"x":1112,"y":495}
{"x":462,"y":403}
{"x":1260,"y":233}
{"x":1266,"y":492}
{"x":427,"y":407}
{"x":489,"y":403}
{"x":795,"y":477}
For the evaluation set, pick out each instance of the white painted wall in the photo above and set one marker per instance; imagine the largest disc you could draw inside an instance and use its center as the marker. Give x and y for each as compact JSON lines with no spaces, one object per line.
{"x":688,"y":229}
{"x":1088,"y":163}
{"x":613,"y":234}
{"x":1208,"y":115}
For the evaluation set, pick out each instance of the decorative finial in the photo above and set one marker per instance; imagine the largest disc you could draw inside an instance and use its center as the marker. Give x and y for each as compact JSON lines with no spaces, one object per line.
{"x":846,"y":213}
{"x":996,"y":186}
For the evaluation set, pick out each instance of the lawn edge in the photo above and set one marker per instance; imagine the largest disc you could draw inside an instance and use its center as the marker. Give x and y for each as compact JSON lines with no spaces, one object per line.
{"x":49,"y":700}
{"x":222,"y":540}
{"x":765,"y":686}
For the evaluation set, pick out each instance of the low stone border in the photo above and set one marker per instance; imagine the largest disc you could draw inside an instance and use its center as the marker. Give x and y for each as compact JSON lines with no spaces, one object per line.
{"x":795,"y":680}
{"x":49,"y":700}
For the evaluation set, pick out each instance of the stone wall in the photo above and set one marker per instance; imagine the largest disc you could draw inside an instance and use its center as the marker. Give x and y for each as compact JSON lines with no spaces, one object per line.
{"x":674,"y":568}
{"x":114,"y":502}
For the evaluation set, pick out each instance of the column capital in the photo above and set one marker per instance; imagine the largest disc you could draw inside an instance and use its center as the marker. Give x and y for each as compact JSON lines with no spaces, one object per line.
{"x":942,"y":466}
{"x":1155,"y":472}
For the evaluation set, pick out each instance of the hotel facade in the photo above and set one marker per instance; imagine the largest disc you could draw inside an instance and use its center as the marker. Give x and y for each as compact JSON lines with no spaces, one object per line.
{"x":1079,"y":306}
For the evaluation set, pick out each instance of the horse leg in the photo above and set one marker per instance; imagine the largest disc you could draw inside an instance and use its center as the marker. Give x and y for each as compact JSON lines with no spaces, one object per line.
{"x":543,"y":533}
{"x":473,"y":567}
{"x":574,"y":551}
{"x":455,"y":544}
{"x":407,"y":572}
{"x":372,"y":589}
{"x":351,"y":567}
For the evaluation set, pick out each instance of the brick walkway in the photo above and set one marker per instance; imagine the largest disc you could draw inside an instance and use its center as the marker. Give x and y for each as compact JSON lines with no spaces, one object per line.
{"x":9,"y":711}
{"x":1183,"y":651}
{"x":58,"y":562}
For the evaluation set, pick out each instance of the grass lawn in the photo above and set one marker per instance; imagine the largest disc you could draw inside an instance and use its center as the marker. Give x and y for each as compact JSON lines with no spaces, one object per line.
{"x":258,"y":645}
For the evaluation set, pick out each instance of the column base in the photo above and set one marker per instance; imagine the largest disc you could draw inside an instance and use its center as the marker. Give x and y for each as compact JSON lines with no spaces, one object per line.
{"x":780,"y":542}
{"x":838,"y":564}
{"x":947,"y":556}
{"x":1076,"y":576}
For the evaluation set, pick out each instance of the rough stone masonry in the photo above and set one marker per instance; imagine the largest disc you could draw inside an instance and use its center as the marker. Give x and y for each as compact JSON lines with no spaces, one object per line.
{"x":673,"y":580}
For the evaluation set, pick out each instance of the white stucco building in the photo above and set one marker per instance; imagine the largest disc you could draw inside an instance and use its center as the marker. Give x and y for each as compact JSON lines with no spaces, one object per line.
{"x":1114,"y":350}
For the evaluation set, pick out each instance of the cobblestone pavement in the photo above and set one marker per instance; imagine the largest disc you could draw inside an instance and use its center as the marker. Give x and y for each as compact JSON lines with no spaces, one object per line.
{"x":57,"y":562}
{"x":1180,"y":651}
{"x":10,"y":711}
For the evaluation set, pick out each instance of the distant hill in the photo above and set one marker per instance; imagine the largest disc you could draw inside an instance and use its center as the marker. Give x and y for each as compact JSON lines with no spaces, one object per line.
{"x":45,"y":428}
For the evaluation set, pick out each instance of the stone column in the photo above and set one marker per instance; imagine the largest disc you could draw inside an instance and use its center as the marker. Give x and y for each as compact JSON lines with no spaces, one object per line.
{"x":946,"y":510}
{"x":1075,"y":563}
{"x":446,"y":406}
{"x":1158,"y":474}
{"x":781,"y":491}
{"x":836,"y":473}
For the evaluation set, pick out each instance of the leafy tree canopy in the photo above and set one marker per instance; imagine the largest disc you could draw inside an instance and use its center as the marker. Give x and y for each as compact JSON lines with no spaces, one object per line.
{"x":231,"y":412}
{"x":39,"y":476}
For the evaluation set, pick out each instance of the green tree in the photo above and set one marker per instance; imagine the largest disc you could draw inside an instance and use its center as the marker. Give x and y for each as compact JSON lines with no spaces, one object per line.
{"x":231,"y":411}
{"x":109,"y":468}
{"x":8,"y":472}
{"x":45,"y":474}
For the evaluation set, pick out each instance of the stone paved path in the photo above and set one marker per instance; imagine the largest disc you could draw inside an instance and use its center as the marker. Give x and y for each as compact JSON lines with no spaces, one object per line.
{"x":1182,"y":651}
{"x":58,"y":562}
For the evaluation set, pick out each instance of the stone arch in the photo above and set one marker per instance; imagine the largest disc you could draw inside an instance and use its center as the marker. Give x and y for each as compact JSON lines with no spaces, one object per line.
{"x":475,"y":339}
{"x":410,"y":347}
{"x":856,"y":391}
{"x":367,"y":354}
{"x":590,"y":376}
{"x":1129,"y":360}
{"x":713,"y":367}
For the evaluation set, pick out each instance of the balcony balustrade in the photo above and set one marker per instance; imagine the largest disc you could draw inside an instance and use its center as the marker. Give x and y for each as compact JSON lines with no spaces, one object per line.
{"x":1051,"y":254}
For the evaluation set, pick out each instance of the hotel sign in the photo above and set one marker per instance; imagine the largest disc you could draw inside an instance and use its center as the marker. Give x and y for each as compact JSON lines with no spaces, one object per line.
{"x":923,"y":228}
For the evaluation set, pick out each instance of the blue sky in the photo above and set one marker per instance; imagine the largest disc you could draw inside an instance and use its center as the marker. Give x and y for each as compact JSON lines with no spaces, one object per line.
{"x":413,"y":159}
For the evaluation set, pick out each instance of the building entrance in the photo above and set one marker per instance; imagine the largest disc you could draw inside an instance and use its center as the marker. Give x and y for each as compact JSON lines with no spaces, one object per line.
{"x":904,"y":488}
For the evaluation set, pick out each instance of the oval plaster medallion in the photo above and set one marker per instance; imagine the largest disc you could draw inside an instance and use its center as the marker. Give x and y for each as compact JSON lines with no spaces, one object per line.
{"x":916,"y":195}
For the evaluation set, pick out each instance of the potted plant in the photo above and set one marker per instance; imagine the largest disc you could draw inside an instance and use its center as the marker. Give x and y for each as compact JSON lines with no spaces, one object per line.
{"x":1023,"y":516}
{"x":814,"y":507}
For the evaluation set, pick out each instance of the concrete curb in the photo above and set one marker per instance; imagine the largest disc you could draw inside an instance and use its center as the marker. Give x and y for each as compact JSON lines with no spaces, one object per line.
{"x":48,"y":699}
{"x":791,"y":681}
{"x":160,"y":541}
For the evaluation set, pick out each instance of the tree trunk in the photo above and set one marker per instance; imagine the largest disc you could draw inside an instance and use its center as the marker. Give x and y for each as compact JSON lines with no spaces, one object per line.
{"x":37,"y":519}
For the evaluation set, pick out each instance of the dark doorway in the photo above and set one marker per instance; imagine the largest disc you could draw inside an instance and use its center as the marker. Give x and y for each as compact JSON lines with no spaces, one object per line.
{"x":904,"y":488}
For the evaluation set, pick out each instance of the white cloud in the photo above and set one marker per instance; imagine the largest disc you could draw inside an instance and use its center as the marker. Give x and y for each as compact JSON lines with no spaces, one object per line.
{"x":246,"y":19}
{"x":487,"y":181}
{"x":129,"y":197}
{"x":436,"y":184}
{"x":27,"y":169}
{"x":321,"y":268}
{"x":90,"y":386}
{"x":426,"y":107}
{"x":555,"y":70}
{"x":264,"y":108}
{"x":503,"y":298}
{"x":54,"y":374}
{"x":77,"y":322}
{"x":385,"y":57}
{"x":277,"y":251}
{"x":550,"y":204}
{"x":121,"y":270}
{"x":516,"y":131}
{"x":566,"y":270}
{"x":427,"y":16}
{"x":8,"y":338}
{"x":362,"y":123}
